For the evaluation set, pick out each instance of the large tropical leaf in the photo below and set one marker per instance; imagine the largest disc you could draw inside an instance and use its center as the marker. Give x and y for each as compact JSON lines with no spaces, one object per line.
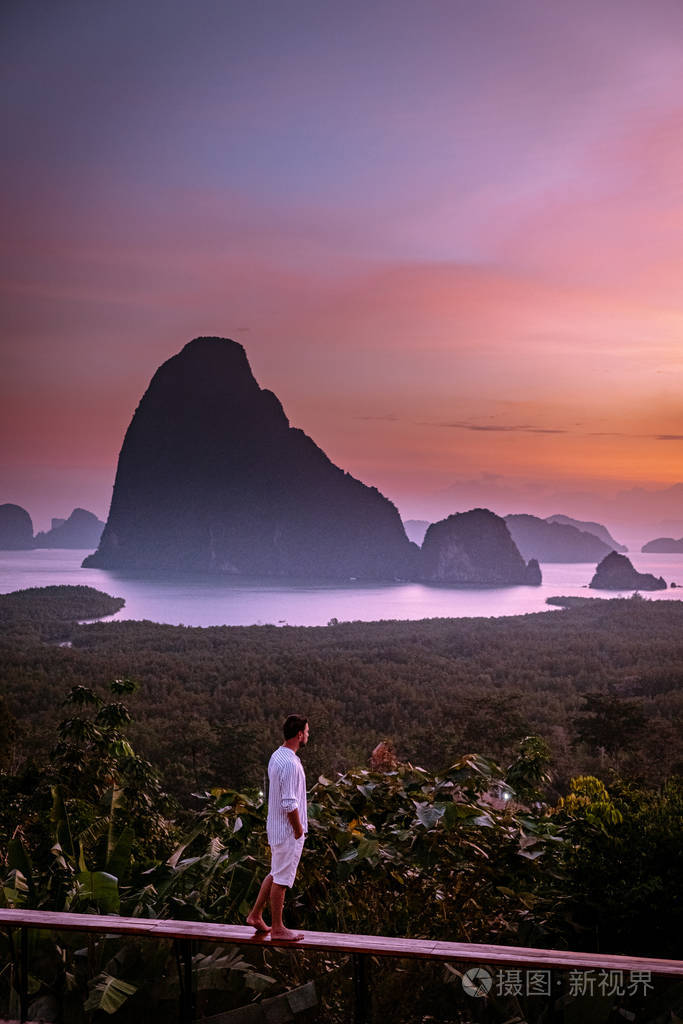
{"x":15,"y":889}
{"x":61,"y":823}
{"x":19,"y":860}
{"x":456,"y":813}
{"x":109,"y":993}
{"x":93,"y":833}
{"x":367,"y":848}
{"x":100,"y":888}
{"x":429,"y":814}
{"x":179,"y":850}
{"x":118,"y":860}
{"x":213,"y":971}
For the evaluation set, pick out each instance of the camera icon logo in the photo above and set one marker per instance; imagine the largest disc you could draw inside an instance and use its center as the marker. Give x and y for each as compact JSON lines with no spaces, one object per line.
{"x":477,"y":981}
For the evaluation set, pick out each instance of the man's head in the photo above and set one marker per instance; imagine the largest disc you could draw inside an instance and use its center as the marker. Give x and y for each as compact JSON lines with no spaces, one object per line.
{"x":296,"y":726}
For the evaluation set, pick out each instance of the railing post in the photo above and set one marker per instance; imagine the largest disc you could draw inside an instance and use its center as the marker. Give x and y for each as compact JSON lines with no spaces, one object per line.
{"x":362,"y":1010}
{"x":23,"y":977}
{"x":186,"y":995}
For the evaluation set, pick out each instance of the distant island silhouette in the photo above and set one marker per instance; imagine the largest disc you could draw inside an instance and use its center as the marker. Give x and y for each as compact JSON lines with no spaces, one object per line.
{"x":587,"y":526}
{"x":557,"y":538}
{"x":81,"y":530}
{"x":663,"y":546}
{"x":16,"y":528}
{"x":554,"y":541}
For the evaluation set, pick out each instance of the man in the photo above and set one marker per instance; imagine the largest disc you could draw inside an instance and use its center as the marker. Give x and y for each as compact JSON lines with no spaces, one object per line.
{"x":286,"y":826}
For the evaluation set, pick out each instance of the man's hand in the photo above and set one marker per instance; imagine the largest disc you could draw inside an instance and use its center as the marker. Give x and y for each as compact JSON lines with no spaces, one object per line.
{"x":295,"y":822}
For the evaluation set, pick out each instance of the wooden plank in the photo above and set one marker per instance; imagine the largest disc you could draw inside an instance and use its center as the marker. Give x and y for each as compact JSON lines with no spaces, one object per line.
{"x":555,"y":958}
{"x":373,"y":945}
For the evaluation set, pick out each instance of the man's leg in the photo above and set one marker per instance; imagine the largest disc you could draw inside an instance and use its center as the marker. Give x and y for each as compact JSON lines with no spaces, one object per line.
{"x":277,"y":902}
{"x":255,"y":918}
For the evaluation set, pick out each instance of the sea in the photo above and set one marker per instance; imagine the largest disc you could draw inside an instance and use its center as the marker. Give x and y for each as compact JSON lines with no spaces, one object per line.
{"x":201,"y":600}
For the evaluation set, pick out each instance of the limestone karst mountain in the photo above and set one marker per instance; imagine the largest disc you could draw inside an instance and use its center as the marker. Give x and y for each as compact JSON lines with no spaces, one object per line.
{"x":616,"y":572}
{"x":588,"y":526}
{"x":211,"y":477}
{"x":554,"y":542}
{"x":81,"y":530}
{"x":16,"y":528}
{"x":474,"y":547}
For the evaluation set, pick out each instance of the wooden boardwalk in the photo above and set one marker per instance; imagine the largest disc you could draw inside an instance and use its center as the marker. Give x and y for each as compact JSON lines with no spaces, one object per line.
{"x":373,"y":945}
{"x":187,"y":933}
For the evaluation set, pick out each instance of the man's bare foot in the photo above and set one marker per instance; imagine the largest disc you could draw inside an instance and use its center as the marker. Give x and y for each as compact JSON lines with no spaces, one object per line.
{"x":257,"y":922}
{"x":286,"y":935}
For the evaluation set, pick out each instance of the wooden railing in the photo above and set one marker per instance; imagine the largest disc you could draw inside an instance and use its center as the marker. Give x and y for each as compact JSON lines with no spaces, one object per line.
{"x":184,"y":933}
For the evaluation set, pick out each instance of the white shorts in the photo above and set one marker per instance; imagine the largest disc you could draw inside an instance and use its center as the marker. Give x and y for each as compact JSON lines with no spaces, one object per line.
{"x":285,"y":859}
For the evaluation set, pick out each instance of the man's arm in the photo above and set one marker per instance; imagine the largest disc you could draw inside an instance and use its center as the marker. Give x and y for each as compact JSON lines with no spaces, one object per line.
{"x":289,"y":802}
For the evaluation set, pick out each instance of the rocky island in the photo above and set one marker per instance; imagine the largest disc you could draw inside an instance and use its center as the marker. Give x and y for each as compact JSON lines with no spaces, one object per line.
{"x":81,"y":530}
{"x":664,"y":546}
{"x":212,"y":478}
{"x":616,"y":572}
{"x":16,"y":528}
{"x":474,"y":547}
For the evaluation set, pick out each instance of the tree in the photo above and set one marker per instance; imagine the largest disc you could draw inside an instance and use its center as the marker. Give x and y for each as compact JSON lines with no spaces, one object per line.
{"x":609,"y":723}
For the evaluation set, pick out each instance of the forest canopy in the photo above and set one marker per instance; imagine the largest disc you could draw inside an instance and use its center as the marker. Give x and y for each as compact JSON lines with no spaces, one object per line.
{"x":600,"y":682}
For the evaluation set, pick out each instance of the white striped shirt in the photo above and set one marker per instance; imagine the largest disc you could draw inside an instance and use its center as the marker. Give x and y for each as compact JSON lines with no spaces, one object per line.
{"x":286,"y":792}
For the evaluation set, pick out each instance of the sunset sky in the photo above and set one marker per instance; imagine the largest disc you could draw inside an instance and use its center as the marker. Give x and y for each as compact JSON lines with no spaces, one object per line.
{"x":448,"y":233}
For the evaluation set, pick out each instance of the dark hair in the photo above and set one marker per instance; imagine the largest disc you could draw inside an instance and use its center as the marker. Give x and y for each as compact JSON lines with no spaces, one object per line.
{"x":293,"y":725}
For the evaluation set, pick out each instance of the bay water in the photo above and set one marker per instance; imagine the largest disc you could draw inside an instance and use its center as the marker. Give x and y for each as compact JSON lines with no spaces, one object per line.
{"x":202,"y":600}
